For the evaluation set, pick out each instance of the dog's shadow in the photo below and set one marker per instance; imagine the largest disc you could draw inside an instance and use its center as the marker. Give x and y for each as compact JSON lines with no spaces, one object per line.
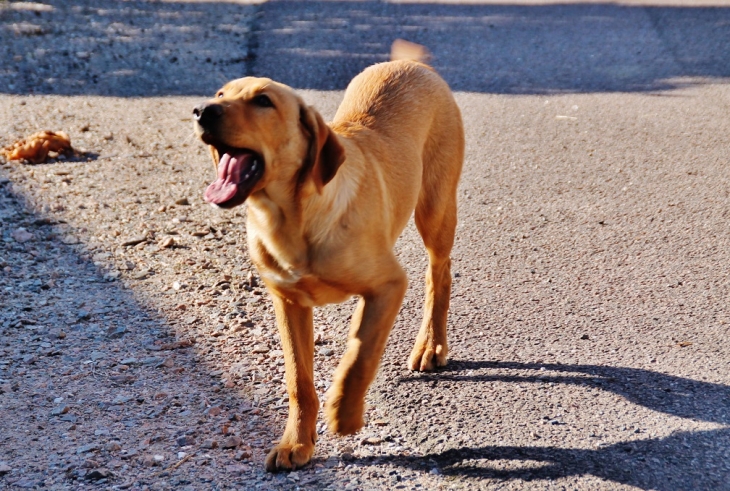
{"x":682,"y":460}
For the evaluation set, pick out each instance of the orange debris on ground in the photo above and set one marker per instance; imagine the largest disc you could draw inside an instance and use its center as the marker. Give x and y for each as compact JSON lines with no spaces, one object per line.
{"x":38,"y":147}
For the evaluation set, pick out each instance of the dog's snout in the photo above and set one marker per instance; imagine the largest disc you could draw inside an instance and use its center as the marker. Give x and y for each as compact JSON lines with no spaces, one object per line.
{"x":207,"y":114}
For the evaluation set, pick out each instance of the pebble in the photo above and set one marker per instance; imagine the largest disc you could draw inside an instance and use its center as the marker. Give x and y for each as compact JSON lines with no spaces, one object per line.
{"x":4,"y":468}
{"x":148,"y":461}
{"x":167,"y":242}
{"x":21,"y":235}
{"x":116,"y":332}
{"x":134,"y":241}
{"x":372,"y":440}
{"x":209,"y":444}
{"x":236,"y":468}
{"x":113,"y":447}
{"x":182,"y":202}
{"x":57,"y":411}
{"x":185,"y":441}
{"x":231,"y":442}
{"x":87,"y":448}
{"x":213,"y":411}
{"x":243,"y":454}
{"x":141,"y":275}
{"x":97,"y":474}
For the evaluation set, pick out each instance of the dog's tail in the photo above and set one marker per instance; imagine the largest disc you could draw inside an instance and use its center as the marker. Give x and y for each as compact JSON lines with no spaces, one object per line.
{"x":406,"y":50}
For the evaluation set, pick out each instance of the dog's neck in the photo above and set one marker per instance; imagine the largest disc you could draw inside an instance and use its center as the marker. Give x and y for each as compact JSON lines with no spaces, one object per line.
{"x":280,"y":224}
{"x":279,"y":232}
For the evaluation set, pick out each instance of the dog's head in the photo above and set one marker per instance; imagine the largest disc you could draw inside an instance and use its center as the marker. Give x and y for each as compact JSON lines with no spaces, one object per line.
{"x":261,"y":135}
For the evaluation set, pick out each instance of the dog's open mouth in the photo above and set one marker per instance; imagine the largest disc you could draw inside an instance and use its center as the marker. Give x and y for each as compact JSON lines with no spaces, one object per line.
{"x":238,"y":172}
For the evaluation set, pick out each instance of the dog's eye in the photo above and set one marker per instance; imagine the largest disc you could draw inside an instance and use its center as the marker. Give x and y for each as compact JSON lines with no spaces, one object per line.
{"x":263,"y":100}
{"x":219,"y":95}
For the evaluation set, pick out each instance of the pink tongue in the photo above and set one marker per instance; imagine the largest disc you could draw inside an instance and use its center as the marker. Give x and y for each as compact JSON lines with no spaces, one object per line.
{"x":229,"y":176}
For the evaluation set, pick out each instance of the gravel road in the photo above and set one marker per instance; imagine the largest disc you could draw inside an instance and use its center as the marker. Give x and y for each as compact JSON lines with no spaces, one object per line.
{"x":589,"y":317}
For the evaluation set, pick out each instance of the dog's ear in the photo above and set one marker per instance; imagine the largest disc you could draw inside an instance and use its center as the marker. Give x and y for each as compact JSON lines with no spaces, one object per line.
{"x":325,"y":153}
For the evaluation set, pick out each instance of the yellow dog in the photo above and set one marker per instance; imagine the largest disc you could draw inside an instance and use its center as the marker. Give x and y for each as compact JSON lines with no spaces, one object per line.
{"x":326,"y":204}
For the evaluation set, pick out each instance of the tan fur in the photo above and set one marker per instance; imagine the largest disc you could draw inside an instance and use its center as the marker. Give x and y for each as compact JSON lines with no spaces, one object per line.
{"x":324,"y":219}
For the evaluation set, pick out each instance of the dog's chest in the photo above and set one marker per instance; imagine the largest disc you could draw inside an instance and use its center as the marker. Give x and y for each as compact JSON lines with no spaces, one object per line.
{"x":305,"y":289}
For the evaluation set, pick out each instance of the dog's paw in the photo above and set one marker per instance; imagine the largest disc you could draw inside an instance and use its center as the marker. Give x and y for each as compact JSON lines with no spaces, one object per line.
{"x":427,"y":355}
{"x":288,"y":457}
{"x":343,"y":418}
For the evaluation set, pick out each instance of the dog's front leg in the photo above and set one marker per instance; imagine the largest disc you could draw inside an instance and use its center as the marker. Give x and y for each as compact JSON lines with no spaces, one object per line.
{"x":296,"y":446}
{"x":371,"y":324}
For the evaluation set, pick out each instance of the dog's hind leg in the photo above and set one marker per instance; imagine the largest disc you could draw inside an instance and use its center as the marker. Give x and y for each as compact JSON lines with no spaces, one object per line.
{"x":436,"y":222}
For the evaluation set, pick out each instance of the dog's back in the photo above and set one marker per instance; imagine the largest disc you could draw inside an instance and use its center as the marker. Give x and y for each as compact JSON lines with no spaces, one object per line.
{"x":406,"y":106}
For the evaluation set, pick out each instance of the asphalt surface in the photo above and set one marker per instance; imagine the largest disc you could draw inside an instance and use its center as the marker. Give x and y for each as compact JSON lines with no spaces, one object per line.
{"x":589,"y":317}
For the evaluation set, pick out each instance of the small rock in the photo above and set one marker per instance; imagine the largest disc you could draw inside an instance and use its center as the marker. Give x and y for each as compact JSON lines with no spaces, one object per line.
{"x":326,"y":351}
{"x":129,"y":454}
{"x":153,"y":360}
{"x":21,"y":235}
{"x":202,"y":232}
{"x":141,"y":275}
{"x":57,"y":411}
{"x":134,"y":241}
{"x":123,"y":379}
{"x":185,"y":441}
{"x":87,"y":448}
{"x":116,"y":332}
{"x":113,"y":447}
{"x":4,"y":468}
{"x":167,"y":242}
{"x":243,"y":454}
{"x":372,"y":440}
{"x":148,"y":461}
{"x":182,"y":202}
{"x":97,"y":474}
{"x":260,"y":349}
{"x":231,"y":442}
{"x":213,"y":411}
{"x":177,"y":285}
{"x":236,"y":468}
{"x":167,"y":363}
{"x":209,"y":444}
{"x":122,"y":399}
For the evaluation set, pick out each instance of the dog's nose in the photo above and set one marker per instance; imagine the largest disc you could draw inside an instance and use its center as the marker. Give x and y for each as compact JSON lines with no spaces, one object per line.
{"x":207,"y":113}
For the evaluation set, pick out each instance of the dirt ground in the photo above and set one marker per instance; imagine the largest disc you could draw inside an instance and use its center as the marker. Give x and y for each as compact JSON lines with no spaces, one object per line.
{"x":138,"y":350}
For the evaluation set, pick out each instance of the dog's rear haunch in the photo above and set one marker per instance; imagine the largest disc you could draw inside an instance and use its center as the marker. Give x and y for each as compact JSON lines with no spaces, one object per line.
{"x":326,"y":203}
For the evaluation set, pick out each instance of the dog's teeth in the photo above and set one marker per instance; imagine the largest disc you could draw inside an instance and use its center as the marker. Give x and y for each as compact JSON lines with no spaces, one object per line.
{"x":246,"y":176}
